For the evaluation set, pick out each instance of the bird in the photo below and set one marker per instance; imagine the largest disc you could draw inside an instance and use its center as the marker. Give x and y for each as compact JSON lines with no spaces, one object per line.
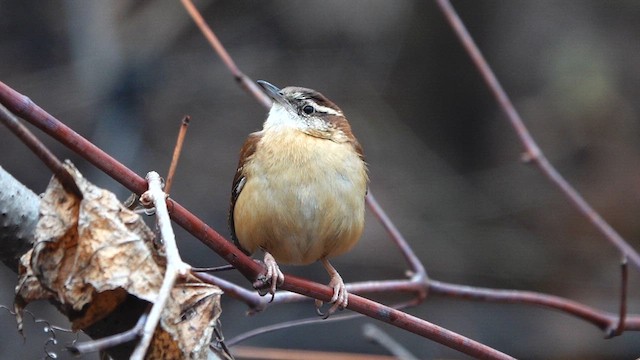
{"x":299,"y":190}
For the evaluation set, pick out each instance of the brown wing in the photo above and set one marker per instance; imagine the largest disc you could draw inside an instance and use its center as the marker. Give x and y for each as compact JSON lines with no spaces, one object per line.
{"x":239,"y":180}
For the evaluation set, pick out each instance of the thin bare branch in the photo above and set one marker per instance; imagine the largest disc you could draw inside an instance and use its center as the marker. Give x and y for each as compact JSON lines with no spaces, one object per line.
{"x":213,"y":269}
{"x":244,"y":81}
{"x":109,"y":341}
{"x":41,"y":151}
{"x":23,"y":107}
{"x":302,"y":322}
{"x":532,"y":150}
{"x":286,"y":325}
{"x":177,"y":150}
{"x":250,"y":298}
{"x":419,"y":272}
{"x":602,"y":320}
{"x":624,"y":288}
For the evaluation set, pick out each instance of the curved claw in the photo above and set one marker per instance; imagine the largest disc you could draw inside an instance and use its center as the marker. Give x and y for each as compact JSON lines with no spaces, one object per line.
{"x":340,"y":298}
{"x":325,"y":314}
{"x":319,"y":312}
{"x":273,"y":277}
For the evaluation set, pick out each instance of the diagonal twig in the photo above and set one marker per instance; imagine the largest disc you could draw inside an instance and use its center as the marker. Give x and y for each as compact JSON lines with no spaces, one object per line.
{"x":533,"y":153}
{"x":244,"y":81}
{"x":302,"y":322}
{"x":41,"y":151}
{"x":184,"y":124}
{"x":419,"y":273}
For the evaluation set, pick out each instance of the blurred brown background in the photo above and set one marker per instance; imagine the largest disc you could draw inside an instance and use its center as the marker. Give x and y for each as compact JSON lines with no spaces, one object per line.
{"x":443,"y":161}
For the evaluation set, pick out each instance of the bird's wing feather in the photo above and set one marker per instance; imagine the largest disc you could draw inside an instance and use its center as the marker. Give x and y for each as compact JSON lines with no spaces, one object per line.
{"x":240,"y":178}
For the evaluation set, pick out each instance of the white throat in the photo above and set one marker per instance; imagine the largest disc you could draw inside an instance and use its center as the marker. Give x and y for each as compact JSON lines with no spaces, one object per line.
{"x":280,"y":117}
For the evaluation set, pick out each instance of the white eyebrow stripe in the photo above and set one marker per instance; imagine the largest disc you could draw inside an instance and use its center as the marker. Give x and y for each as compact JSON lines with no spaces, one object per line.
{"x":327,"y":110}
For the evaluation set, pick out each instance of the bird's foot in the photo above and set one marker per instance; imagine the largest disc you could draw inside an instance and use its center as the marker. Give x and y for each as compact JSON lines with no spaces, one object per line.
{"x":340,"y":298}
{"x":272,"y":278}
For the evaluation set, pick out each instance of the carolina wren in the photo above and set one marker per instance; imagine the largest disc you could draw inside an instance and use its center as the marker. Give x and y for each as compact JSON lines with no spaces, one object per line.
{"x":299,"y":190}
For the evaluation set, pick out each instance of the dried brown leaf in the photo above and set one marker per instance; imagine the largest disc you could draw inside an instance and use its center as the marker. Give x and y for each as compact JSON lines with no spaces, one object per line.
{"x":187,"y":322}
{"x":84,"y":248}
{"x":89,"y":253}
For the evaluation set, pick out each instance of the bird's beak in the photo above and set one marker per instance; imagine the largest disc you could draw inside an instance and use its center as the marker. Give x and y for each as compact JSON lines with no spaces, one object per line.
{"x":273,"y":92}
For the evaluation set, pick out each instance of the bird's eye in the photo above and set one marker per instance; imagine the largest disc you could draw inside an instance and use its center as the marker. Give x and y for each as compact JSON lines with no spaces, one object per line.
{"x":308,"y":109}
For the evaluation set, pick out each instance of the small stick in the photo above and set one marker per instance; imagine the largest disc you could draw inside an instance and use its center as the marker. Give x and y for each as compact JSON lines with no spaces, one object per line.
{"x":41,"y":151}
{"x":302,"y":322}
{"x":109,"y":341}
{"x":177,"y":150}
{"x":623,"y":301}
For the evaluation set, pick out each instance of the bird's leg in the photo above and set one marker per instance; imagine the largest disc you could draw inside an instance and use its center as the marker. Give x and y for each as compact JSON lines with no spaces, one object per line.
{"x":273,"y":277}
{"x":340,"y":298}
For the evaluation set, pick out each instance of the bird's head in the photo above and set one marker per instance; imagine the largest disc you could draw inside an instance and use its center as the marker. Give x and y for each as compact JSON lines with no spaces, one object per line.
{"x":306,"y":110}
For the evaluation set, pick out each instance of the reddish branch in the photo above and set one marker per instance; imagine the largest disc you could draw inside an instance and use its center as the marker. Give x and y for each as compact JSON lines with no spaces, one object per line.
{"x":610,"y":323}
{"x":607,"y":322}
{"x":533,"y":153}
{"x":26,"y":109}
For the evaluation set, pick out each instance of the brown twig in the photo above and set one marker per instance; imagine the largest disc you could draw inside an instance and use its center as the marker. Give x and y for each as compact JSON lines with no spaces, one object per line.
{"x":41,"y":151}
{"x":177,"y":150}
{"x":419,"y":273}
{"x":602,"y":320}
{"x":532,"y":150}
{"x":244,"y":81}
{"x":622,"y":315}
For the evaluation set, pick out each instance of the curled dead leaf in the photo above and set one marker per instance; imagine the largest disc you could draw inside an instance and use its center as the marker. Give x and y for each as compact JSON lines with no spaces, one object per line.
{"x":90,"y":253}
